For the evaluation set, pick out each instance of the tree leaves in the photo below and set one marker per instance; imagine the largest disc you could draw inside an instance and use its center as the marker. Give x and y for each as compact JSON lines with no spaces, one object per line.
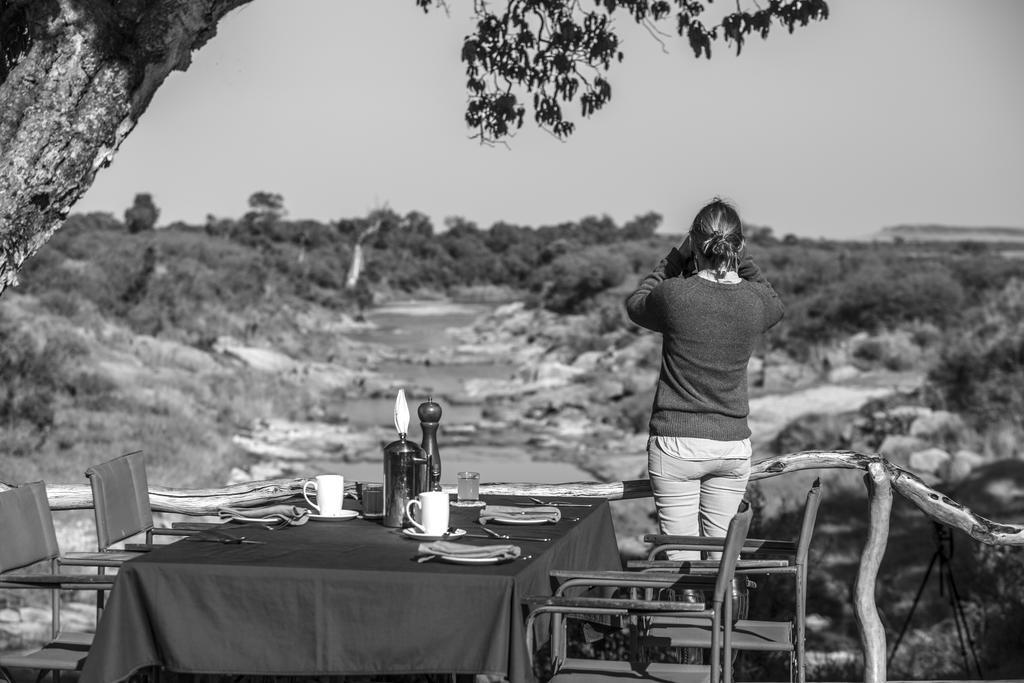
{"x":557,"y":50}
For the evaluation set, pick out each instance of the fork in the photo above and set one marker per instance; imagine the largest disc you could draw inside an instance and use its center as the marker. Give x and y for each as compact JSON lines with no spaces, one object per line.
{"x":538,"y":501}
{"x":508,"y":537}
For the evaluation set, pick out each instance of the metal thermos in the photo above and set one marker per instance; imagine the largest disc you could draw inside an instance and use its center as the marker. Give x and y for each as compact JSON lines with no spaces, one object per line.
{"x":405,"y":475}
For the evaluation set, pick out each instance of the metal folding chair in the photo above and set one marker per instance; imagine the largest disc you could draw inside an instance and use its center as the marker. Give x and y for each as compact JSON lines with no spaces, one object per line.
{"x":716,"y":617}
{"x":27,"y":539}
{"x":789,"y":558}
{"x":120,"y":493}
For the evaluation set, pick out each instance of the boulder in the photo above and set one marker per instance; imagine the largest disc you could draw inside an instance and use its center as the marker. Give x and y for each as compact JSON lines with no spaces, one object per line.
{"x":960,"y":466}
{"x":897,"y":448}
{"x":265,"y":360}
{"x":553,"y":373}
{"x":640,"y":352}
{"x":843,"y":373}
{"x":278,"y":439}
{"x":606,"y":388}
{"x":588,"y":360}
{"x":781,"y":373}
{"x":161,"y":352}
{"x":936,"y":426}
{"x":929,"y":461}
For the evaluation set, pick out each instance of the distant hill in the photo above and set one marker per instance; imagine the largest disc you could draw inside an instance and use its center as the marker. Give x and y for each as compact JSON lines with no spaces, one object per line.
{"x":949,"y":233}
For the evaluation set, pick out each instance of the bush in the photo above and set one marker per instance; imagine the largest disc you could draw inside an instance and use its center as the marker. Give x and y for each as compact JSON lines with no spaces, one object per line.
{"x":893,"y":350}
{"x":980,"y":372}
{"x":814,"y":431}
{"x":571,"y":281}
{"x":878,"y":297}
{"x":31,"y":378}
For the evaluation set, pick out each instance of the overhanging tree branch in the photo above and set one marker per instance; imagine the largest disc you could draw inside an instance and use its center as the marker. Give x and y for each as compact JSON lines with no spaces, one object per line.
{"x":76,"y":75}
{"x":536,"y":43}
{"x":72,"y":89}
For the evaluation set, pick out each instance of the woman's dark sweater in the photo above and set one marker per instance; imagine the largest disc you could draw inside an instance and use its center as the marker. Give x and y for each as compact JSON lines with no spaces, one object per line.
{"x":709,"y":330}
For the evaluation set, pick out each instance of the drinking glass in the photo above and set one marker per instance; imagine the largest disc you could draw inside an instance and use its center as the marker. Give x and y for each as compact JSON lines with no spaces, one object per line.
{"x":469,"y":487}
{"x":373,"y":500}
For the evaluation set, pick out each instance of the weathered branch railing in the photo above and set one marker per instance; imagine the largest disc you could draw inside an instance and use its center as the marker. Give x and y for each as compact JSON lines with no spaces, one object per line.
{"x":881,"y":477}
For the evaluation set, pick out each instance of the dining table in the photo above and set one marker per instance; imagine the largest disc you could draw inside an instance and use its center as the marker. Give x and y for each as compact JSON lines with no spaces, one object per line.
{"x":347,"y":597}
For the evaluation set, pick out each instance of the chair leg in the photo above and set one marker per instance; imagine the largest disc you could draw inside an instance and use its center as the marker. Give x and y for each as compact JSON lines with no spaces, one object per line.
{"x":799,"y":647}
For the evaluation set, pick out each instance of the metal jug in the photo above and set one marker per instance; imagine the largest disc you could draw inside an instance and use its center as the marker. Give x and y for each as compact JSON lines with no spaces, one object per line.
{"x":405,"y":476}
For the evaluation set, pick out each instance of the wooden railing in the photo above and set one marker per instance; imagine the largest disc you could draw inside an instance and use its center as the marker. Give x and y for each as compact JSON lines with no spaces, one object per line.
{"x":881,"y":478}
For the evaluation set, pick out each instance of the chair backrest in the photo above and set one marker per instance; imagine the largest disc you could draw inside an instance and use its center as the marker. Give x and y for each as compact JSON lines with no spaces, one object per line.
{"x":803,"y":543}
{"x":735,"y":536}
{"x":120,"y":494}
{"x":26,"y":527}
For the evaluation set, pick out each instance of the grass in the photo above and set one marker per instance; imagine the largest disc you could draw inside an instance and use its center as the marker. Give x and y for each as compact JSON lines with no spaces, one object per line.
{"x":177,"y":403}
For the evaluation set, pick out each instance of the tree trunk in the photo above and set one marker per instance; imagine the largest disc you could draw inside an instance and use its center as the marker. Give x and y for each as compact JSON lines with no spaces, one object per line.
{"x":90,"y":71}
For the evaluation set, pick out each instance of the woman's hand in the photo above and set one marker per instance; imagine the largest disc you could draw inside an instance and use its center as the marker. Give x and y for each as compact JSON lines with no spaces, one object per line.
{"x":689,"y":260}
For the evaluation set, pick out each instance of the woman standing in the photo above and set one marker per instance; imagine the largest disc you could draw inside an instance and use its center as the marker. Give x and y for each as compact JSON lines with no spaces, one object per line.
{"x":711,"y":305}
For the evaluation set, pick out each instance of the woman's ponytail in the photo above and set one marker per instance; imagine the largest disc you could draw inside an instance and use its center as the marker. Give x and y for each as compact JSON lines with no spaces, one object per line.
{"x":718,"y":234}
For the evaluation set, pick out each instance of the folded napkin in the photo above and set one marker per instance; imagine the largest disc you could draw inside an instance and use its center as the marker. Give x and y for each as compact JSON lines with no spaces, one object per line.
{"x":452,"y":549}
{"x":519,"y":515}
{"x":293,"y":515}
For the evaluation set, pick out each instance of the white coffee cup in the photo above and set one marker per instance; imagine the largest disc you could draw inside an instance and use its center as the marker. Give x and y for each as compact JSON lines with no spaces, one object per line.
{"x":329,"y":490}
{"x":433,"y":517}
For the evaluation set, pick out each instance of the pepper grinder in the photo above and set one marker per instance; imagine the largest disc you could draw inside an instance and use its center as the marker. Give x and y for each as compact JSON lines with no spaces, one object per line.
{"x":430,"y":416}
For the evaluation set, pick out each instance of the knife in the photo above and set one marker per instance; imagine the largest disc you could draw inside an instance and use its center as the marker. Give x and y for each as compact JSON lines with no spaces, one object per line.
{"x":503,"y":537}
{"x":218,"y":536}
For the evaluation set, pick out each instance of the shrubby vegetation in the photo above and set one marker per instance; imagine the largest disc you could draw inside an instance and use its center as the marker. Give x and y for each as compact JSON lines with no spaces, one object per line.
{"x":981,"y":371}
{"x":231,"y":276}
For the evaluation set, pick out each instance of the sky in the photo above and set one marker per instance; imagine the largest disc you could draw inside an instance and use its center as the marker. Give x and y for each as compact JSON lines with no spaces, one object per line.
{"x":889,"y":112}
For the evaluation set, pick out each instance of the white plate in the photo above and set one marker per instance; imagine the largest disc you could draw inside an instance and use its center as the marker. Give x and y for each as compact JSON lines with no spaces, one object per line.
{"x":457,"y":559}
{"x":520,"y":520}
{"x":345,"y":514}
{"x":414,"y":533}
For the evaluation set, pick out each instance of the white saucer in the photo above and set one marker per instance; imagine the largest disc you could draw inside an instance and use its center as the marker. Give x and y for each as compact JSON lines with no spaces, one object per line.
{"x":345,"y":514}
{"x":467,"y":503}
{"x":415,"y":533}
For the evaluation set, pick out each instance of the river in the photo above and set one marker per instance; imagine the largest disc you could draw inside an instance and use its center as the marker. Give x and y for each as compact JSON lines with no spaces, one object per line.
{"x":415,"y":328}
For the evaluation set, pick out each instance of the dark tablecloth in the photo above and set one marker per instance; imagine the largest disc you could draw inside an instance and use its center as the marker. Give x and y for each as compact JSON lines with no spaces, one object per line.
{"x":337,"y":598}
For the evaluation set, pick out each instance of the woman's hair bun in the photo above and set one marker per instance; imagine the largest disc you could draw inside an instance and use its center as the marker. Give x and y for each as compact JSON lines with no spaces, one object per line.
{"x":717,"y":244}
{"x":718,"y":233}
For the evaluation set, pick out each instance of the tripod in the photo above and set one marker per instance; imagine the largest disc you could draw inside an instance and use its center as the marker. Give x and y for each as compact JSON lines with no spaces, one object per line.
{"x":942,"y":555}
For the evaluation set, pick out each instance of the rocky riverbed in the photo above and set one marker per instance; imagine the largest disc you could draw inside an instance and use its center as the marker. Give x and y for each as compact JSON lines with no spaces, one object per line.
{"x":572,"y":393}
